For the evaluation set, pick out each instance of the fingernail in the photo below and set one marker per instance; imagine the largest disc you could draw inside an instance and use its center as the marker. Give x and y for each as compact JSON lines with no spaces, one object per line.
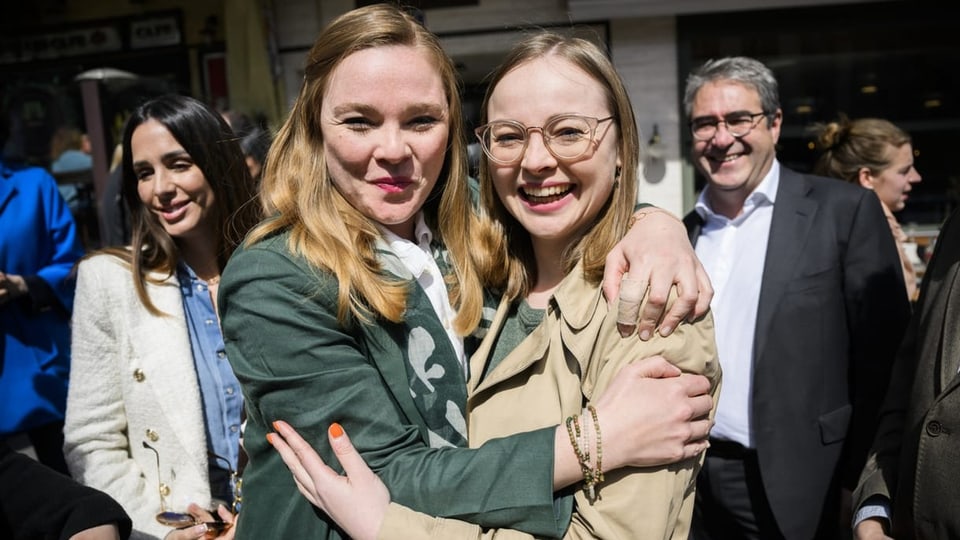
{"x":624,"y":329}
{"x":665,"y":330}
{"x":336,"y":431}
{"x":276,"y":425}
{"x":645,"y":334}
{"x":270,"y":438}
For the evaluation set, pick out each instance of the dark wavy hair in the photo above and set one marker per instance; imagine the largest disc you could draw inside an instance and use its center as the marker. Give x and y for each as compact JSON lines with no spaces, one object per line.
{"x":212,"y":145}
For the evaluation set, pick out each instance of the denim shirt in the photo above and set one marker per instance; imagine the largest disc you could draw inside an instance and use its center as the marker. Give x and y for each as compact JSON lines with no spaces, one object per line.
{"x":219,"y":388}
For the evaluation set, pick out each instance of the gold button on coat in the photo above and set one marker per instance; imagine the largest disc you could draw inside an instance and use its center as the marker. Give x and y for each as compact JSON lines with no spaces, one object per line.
{"x":152,"y":435}
{"x":138,"y":375}
{"x":164,"y":489}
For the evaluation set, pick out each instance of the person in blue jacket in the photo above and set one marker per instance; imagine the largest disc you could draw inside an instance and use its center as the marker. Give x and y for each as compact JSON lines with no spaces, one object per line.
{"x":38,"y":248}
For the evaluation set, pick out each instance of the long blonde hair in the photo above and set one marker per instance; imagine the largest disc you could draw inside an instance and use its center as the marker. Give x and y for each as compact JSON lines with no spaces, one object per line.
{"x":324,"y":228}
{"x":506,"y":243}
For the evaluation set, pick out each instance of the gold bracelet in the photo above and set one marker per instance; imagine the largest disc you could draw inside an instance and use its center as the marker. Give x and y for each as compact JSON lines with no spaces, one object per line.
{"x":598,"y":474}
{"x":590,"y":482}
{"x":640,"y":214}
{"x":580,"y":440}
{"x":573,"y":429}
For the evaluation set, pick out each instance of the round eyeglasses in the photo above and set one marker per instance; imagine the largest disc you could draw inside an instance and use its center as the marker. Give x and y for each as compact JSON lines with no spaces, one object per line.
{"x":738,"y":124}
{"x":566,"y":136}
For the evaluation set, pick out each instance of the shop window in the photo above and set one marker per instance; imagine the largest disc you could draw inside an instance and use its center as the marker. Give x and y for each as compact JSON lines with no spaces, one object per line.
{"x":895,"y":60}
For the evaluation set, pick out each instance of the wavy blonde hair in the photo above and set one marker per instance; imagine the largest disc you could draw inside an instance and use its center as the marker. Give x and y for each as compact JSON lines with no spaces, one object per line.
{"x":507,"y":244}
{"x":298,"y":191}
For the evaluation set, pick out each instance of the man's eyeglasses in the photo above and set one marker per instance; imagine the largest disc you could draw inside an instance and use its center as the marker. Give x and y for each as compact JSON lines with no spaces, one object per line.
{"x":738,"y":125}
{"x":566,"y":136}
{"x":185,"y":519}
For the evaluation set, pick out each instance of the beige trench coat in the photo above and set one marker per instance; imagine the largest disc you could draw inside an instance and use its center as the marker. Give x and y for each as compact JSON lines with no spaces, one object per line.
{"x":541,"y":378}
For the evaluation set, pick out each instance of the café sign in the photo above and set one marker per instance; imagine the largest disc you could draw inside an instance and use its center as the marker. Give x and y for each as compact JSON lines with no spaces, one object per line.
{"x":143,"y":33}
{"x":48,"y":46}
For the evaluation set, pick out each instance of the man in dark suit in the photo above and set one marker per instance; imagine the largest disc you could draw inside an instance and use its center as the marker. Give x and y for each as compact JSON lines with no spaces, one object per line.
{"x":909,"y":486}
{"x":809,"y":308}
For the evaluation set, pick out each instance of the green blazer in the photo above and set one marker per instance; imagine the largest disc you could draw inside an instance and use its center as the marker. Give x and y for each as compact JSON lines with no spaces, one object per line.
{"x":295,"y":362}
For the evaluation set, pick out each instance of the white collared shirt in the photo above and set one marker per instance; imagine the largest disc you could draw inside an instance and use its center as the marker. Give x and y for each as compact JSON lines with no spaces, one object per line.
{"x":418,"y":259}
{"x":733,"y":252}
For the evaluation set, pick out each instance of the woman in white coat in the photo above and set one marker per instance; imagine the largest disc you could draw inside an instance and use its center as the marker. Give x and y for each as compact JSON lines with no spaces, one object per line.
{"x":153,"y":409}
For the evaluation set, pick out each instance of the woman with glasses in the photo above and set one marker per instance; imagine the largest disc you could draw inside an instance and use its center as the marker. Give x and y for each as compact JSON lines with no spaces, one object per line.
{"x":337,"y":308}
{"x":558,"y":185}
{"x":153,"y":409}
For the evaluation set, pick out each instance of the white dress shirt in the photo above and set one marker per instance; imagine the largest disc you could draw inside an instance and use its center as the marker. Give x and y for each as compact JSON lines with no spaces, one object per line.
{"x":733,"y":252}
{"x":419,"y":260}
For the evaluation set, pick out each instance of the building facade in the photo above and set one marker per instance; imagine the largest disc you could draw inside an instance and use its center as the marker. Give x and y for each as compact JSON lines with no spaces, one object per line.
{"x":894,"y":59}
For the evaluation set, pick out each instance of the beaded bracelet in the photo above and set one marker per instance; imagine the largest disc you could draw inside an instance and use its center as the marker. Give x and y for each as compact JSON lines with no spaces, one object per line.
{"x":589,"y":476}
{"x":573,"y":429}
{"x":581,"y":447}
{"x":596,"y":427}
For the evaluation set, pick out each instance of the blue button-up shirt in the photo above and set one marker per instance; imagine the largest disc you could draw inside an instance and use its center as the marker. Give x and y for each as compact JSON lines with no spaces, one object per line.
{"x":219,"y":388}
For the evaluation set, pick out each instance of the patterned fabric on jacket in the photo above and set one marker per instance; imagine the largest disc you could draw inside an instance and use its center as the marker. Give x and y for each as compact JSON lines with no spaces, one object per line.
{"x":296,"y":362}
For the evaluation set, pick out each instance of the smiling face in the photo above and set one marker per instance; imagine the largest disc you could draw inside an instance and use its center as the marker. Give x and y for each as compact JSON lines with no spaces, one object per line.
{"x":170,"y":184}
{"x":554,"y":200}
{"x":894,"y":182}
{"x":734,"y":166}
{"x":385,"y":124}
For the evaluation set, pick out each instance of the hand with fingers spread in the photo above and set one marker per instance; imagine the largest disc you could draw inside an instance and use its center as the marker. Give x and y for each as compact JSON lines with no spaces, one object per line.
{"x":654,"y":256}
{"x":657,"y":414}
{"x":357,"y":501}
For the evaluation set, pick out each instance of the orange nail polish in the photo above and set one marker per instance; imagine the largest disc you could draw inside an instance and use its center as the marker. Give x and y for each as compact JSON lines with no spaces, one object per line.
{"x":336,"y":430}
{"x":276,"y":425}
{"x":270,"y":438}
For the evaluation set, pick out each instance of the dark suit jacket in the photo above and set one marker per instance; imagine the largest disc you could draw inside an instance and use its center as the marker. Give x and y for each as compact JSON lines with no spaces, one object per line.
{"x":915,"y":459}
{"x":830,"y":315}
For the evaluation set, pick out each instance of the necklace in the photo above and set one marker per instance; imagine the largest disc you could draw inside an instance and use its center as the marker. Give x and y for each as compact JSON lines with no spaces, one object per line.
{"x":213,"y":281}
